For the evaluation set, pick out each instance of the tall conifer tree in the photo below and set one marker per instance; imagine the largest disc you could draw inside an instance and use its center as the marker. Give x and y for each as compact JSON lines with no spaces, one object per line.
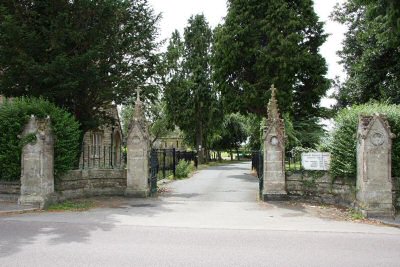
{"x":272,"y":42}
{"x":189,"y":94}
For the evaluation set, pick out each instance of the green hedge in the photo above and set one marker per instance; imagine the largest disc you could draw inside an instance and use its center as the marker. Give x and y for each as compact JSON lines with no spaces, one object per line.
{"x":343,"y":145}
{"x":13,"y":117}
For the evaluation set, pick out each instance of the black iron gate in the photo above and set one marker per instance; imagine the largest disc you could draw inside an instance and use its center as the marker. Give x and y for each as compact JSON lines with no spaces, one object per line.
{"x":154,"y":166}
{"x":163,"y":164}
{"x":257,"y":164}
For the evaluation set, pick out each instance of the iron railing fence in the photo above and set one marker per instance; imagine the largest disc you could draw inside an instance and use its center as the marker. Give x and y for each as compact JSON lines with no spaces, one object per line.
{"x":102,"y":157}
{"x":293,"y":162}
{"x":168,"y":159}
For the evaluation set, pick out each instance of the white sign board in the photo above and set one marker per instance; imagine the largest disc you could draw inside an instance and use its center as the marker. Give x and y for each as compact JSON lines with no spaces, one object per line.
{"x":316,"y":161}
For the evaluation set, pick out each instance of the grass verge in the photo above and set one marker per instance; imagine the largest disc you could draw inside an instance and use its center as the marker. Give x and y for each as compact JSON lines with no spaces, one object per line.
{"x":71,"y":205}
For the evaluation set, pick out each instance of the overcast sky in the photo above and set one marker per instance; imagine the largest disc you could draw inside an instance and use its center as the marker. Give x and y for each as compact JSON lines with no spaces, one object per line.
{"x":175,"y":14}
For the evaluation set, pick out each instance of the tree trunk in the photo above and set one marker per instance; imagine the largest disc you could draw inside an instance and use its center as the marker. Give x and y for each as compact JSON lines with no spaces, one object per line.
{"x":230,"y":151}
{"x":237,"y":152}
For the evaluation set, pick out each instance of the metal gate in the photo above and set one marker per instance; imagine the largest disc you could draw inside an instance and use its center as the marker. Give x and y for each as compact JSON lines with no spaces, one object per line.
{"x":154,"y":165}
{"x":257,"y":164}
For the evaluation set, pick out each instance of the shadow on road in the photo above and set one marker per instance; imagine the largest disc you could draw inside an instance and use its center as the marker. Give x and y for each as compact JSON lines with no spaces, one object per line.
{"x":18,"y":234}
{"x":56,"y":228}
{"x":246,"y":177}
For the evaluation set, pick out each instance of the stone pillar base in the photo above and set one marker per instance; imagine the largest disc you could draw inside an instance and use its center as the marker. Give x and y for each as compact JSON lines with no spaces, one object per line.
{"x":383,"y":211}
{"x":275,"y":196}
{"x":137,"y":193}
{"x":41,"y":201}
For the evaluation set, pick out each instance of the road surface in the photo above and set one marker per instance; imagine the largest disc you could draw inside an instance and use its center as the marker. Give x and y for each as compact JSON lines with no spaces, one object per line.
{"x":211,"y":219}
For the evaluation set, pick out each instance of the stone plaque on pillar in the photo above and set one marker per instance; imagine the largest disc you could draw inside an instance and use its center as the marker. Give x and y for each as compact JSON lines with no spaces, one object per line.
{"x":138,"y":147}
{"x":374,"y":167}
{"x":37,"y":163}
{"x":274,"y":153}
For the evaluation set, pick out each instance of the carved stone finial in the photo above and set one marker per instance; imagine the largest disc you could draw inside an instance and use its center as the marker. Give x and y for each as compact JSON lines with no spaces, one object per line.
{"x":138,"y":94}
{"x":273,"y":111}
{"x":138,"y":105}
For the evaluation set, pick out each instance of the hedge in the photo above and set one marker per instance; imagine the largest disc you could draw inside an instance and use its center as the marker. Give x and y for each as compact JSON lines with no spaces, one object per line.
{"x":13,"y":117}
{"x":343,"y":144}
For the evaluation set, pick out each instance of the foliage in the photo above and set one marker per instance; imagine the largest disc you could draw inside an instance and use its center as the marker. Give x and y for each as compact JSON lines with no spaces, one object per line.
{"x":155,"y":114}
{"x":370,"y":54}
{"x":183,"y":169}
{"x":306,"y":132}
{"x":233,"y":133}
{"x":296,"y":151}
{"x":355,"y":215}
{"x":191,"y":101}
{"x":344,"y":141}
{"x":13,"y":117}
{"x":265,"y":42}
{"x":80,"y":55}
{"x":254,"y":131}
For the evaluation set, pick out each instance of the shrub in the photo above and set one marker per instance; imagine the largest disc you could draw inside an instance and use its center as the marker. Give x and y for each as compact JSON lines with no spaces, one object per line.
{"x":343,"y":144}
{"x":13,"y":117}
{"x":183,"y":169}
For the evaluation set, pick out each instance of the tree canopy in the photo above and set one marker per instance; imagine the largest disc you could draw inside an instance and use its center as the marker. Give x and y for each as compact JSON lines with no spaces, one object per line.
{"x":271,"y":42}
{"x":191,"y":101}
{"x":80,"y":55}
{"x":234,"y":132}
{"x":371,"y":54}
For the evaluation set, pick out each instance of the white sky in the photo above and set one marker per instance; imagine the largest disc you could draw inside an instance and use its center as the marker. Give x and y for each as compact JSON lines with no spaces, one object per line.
{"x":177,"y":12}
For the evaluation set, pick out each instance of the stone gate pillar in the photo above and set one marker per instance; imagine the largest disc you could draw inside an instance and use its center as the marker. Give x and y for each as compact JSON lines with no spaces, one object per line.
{"x":374,"y":166}
{"x":274,"y":153}
{"x":138,"y":147}
{"x":37,"y":163}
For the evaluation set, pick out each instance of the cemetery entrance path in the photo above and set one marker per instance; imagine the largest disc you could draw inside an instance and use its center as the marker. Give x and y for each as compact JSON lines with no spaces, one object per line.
{"x":211,"y":219}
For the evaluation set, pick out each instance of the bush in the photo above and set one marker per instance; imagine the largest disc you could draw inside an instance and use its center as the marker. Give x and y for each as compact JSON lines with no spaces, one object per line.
{"x":13,"y":117}
{"x":343,"y":144}
{"x":183,"y":169}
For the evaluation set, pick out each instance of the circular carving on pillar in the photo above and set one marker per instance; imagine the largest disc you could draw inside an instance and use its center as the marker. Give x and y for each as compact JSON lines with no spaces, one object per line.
{"x":274,"y":140}
{"x":377,"y":139}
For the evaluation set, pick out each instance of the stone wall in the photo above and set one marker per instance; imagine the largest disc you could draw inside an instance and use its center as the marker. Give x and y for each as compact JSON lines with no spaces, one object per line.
{"x":76,"y":183}
{"x":10,"y":190}
{"x":321,"y":188}
{"x":82,"y":183}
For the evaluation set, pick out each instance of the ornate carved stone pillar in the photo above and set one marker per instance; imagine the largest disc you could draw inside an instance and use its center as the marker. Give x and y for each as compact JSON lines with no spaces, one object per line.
{"x":138,"y":147}
{"x":374,"y":166}
{"x":37,"y":163}
{"x":274,"y":153}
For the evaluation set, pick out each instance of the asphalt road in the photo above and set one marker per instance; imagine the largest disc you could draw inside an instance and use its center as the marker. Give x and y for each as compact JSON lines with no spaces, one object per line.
{"x":212,"y":219}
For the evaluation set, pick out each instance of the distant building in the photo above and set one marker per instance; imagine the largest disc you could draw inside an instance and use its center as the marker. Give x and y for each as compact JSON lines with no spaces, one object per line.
{"x":170,"y":142}
{"x":173,"y":139}
{"x":102,"y":147}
